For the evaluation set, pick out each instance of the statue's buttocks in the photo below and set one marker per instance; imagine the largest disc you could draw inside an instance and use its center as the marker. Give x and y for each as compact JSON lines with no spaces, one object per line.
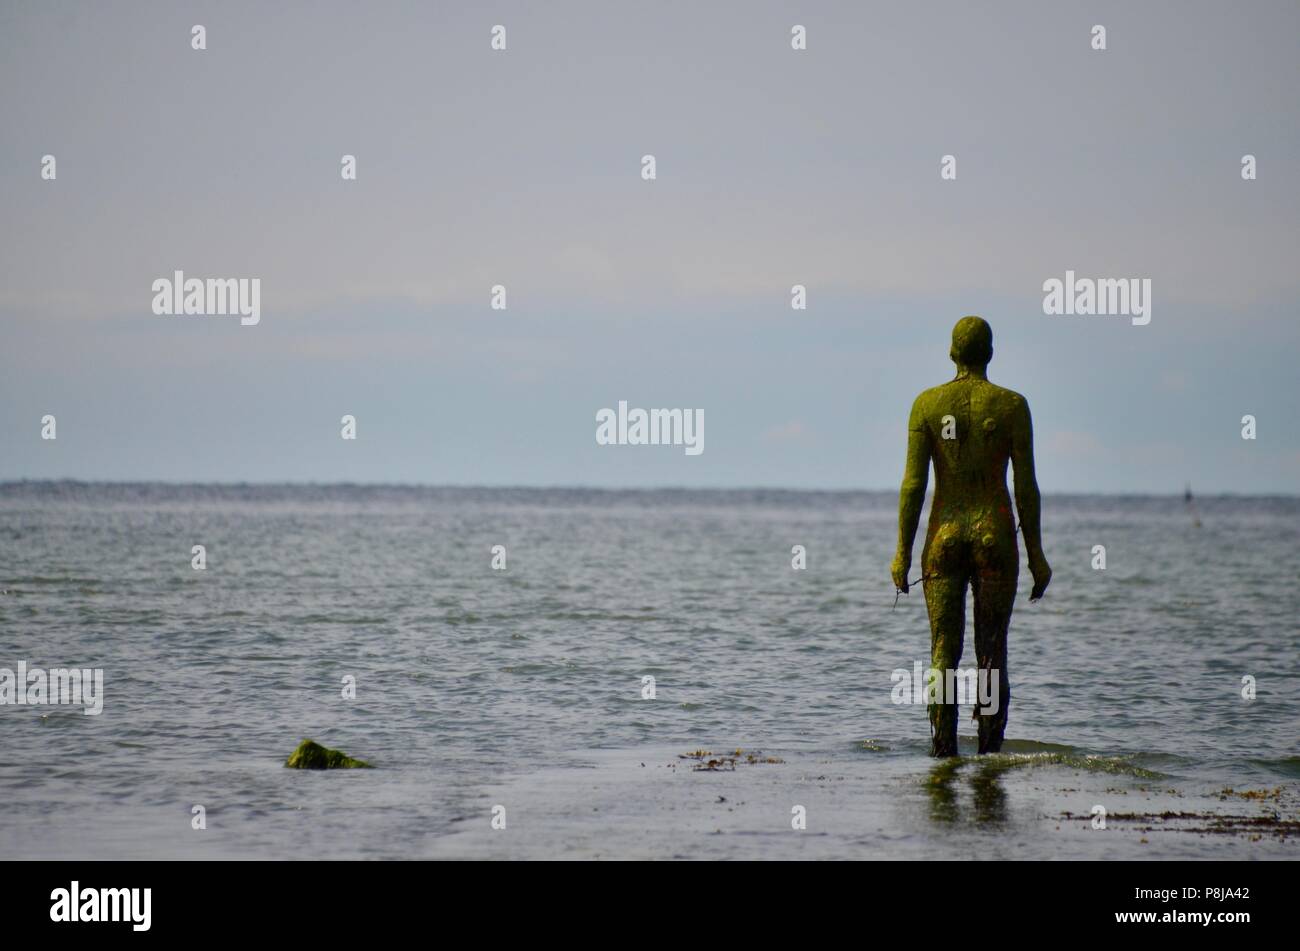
{"x":970,"y":429}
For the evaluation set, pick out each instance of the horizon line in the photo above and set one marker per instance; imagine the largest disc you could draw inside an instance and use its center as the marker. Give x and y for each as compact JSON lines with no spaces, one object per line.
{"x":578,"y":487}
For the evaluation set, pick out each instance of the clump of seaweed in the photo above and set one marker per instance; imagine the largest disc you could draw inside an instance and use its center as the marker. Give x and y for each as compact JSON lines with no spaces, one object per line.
{"x":706,"y":761}
{"x":1202,"y":823}
{"x":1259,"y":795}
{"x":311,"y":755}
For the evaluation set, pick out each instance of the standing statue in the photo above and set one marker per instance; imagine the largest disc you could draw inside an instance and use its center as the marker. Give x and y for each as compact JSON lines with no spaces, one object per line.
{"x":970,"y":428}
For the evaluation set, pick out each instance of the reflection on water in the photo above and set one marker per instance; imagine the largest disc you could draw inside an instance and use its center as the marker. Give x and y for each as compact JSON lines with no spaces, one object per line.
{"x":989,"y":798}
{"x":943,"y":799}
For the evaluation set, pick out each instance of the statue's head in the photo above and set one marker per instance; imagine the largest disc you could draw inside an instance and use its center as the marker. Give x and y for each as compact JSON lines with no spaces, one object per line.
{"x":972,"y":342}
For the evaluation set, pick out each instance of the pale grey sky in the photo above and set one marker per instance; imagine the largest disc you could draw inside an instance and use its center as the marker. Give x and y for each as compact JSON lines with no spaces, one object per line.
{"x":522,"y":168}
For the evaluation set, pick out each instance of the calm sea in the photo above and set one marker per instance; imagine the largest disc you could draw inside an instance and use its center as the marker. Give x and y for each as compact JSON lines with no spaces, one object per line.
{"x":522,"y":688}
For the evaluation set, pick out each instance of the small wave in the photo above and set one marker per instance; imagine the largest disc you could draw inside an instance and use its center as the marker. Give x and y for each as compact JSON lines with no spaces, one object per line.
{"x":1284,"y":766}
{"x":1118,"y":765}
{"x":597,"y":616}
{"x":529,"y":669}
{"x":335,"y":619}
{"x":1034,"y":746}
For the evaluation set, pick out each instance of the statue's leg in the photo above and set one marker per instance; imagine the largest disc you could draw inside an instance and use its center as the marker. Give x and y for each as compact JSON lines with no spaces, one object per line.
{"x":945,"y":600}
{"x":994,"y":585}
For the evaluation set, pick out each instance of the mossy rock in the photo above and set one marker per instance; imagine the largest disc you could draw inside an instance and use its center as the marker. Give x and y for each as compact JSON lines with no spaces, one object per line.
{"x":311,"y":755}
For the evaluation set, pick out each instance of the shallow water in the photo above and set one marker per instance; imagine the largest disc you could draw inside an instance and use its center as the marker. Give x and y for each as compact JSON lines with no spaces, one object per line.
{"x":522,"y":688}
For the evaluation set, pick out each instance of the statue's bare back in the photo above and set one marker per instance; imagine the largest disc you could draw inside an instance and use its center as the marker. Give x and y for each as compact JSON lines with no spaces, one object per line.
{"x":969,"y":429}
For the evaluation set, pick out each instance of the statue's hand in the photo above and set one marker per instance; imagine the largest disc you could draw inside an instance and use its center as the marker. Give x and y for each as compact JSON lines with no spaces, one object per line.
{"x":1042,"y":573}
{"x":899,"y":569}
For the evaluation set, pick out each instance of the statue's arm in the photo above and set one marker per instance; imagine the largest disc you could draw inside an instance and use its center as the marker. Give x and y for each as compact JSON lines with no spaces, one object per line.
{"x":911,"y":498}
{"x":1028,"y":503}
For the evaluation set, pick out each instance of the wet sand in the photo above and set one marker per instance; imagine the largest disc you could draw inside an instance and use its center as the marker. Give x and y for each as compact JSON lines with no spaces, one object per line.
{"x":867,"y":804}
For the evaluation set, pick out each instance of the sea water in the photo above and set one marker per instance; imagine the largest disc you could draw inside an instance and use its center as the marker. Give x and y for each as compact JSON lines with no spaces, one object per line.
{"x":521,"y":692}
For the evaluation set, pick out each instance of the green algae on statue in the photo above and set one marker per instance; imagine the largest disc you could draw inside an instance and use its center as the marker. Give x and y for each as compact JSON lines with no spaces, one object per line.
{"x":311,"y":755}
{"x":970,"y":429}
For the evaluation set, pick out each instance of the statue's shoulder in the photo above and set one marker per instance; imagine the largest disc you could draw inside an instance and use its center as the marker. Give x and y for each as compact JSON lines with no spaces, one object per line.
{"x":930,"y":401}
{"x":1009,"y":400}
{"x":927,"y":409}
{"x":935,"y":394}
